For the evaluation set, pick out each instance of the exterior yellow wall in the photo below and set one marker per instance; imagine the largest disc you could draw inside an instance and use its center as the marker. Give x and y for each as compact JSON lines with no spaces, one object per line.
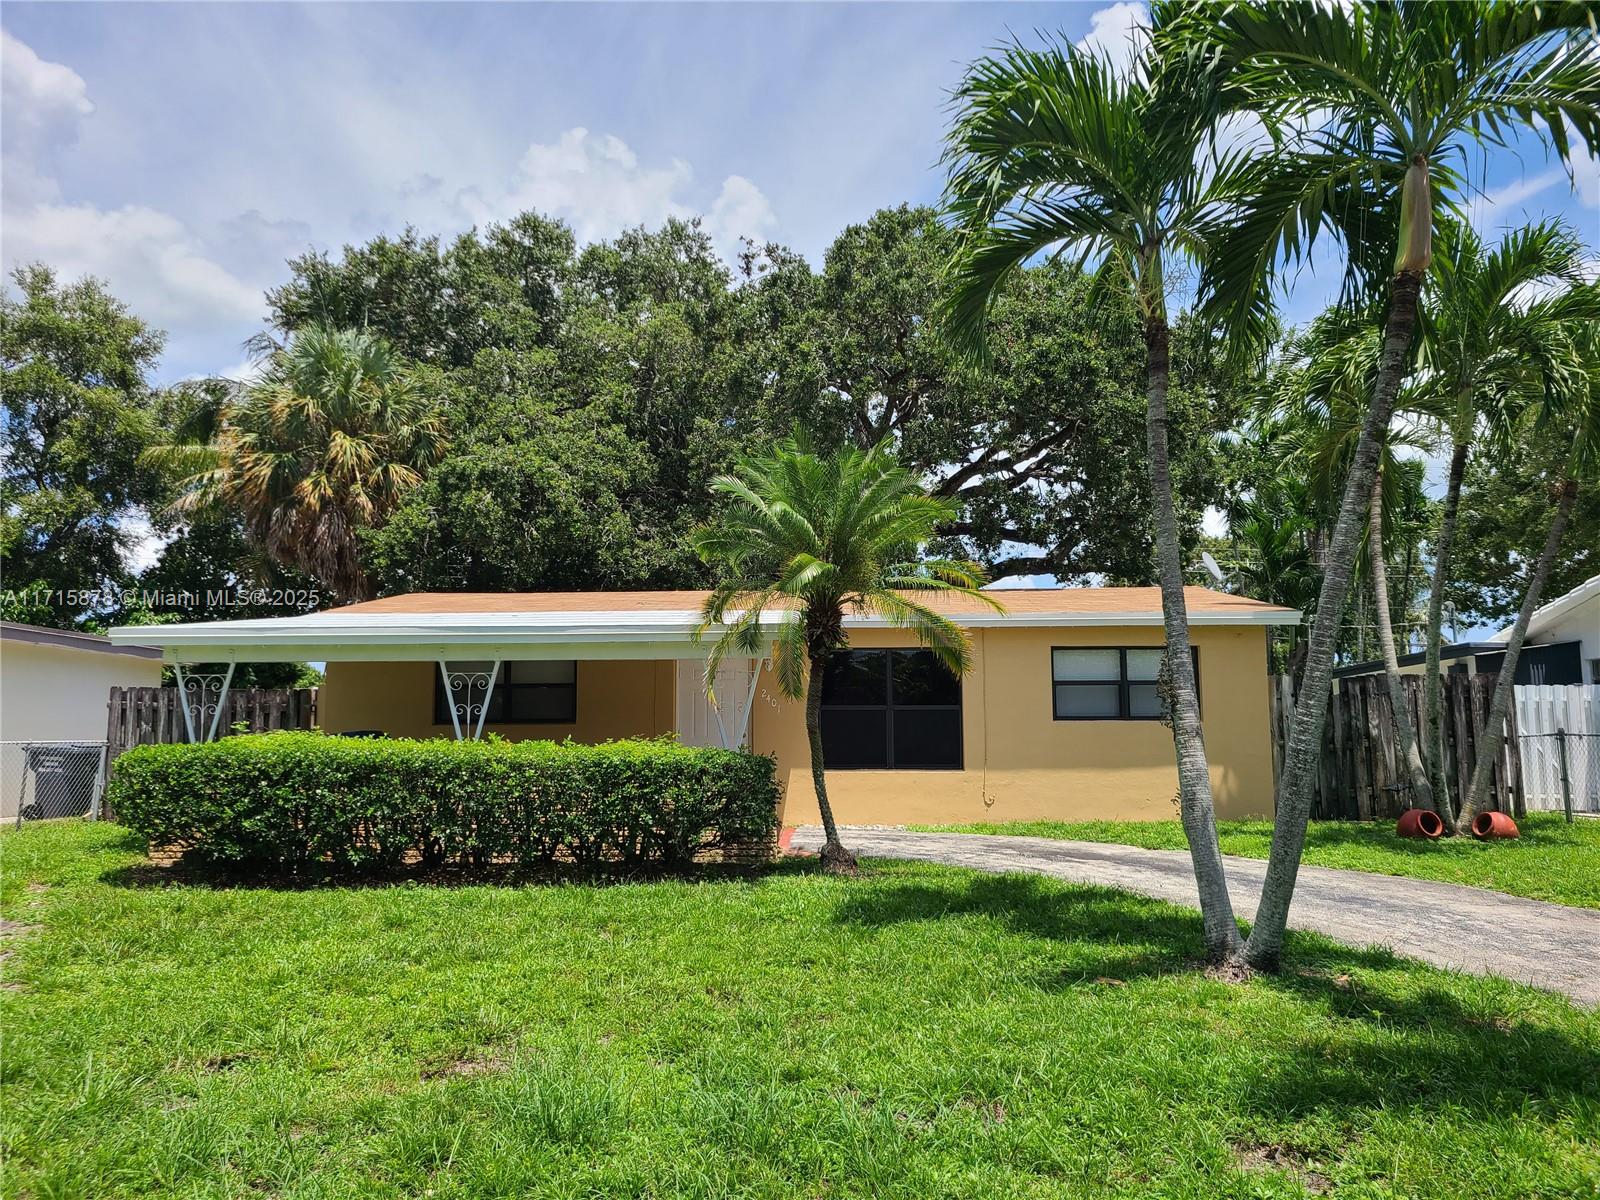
{"x":616,"y":699}
{"x":1022,"y":765}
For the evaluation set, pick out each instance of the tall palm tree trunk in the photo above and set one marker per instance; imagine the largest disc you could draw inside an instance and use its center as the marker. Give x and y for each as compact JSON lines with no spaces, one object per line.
{"x":1492,"y":737}
{"x":1265,"y":946}
{"x":1421,"y":789}
{"x":835,"y":858}
{"x":1196,"y":805}
{"x":1432,"y":682}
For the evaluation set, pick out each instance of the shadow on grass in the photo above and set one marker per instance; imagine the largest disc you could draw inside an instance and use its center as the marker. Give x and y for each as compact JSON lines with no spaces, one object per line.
{"x":1393,"y":1039}
{"x":188,"y":871}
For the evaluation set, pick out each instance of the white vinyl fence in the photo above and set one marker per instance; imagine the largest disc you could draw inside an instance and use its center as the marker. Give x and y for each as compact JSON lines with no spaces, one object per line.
{"x":1559,"y":729}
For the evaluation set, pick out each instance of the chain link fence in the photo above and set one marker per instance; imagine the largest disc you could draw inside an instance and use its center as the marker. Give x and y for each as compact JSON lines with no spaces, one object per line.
{"x":40,"y":780}
{"x":1561,"y":771}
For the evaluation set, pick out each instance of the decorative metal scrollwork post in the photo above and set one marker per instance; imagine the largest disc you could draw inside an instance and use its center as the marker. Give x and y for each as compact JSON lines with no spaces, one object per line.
{"x":203,"y":697}
{"x":467,"y":692}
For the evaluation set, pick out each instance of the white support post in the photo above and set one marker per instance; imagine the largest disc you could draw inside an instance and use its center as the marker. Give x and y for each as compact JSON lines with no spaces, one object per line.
{"x":455,"y":720}
{"x":183,"y":697}
{"x":222,"y":698}
{"x":749,"y":703}
{"x":488,"y":694}
{"x":458,"y":692}
{"x":737,"y":740}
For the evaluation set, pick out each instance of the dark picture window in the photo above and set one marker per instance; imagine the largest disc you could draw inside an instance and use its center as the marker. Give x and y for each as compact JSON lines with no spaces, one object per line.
{"x":890,"y":709}
{"x":525,"y":693}
{"x":1108,"y":683}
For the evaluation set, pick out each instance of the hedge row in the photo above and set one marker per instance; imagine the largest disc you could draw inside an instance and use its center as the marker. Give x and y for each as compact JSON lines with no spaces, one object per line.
{"x":291,"y":800}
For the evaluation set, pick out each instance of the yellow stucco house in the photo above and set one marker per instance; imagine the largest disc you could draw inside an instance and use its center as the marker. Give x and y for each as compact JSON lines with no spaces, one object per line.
{"x":1059,"y":717}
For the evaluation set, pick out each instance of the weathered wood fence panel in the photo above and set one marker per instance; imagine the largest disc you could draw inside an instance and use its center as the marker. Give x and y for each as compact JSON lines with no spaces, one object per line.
{"x":1361,"y":774}
{"x":142,"y":716}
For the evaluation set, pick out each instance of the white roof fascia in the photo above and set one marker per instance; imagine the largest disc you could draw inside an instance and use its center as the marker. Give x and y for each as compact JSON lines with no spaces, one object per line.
{"x":619,"y":634}
{"x":1556,"y":609}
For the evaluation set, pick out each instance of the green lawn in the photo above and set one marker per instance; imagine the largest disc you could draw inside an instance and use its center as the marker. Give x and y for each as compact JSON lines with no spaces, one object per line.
{"x":919,"y":1032}
{"x":1550,"y":861}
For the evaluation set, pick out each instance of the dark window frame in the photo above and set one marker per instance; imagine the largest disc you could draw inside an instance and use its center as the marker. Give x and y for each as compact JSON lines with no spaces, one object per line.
{"x":504,"y":690}
{"x":889,"y":709}
{"x":1122,"y":683}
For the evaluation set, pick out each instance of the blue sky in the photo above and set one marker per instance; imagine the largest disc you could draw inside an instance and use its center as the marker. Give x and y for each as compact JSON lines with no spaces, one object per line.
{"x":182,"y":152}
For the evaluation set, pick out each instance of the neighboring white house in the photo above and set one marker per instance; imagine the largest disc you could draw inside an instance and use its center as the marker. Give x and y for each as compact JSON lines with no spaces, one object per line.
{"x":1573,"y":618}
{"x":54,"y":682}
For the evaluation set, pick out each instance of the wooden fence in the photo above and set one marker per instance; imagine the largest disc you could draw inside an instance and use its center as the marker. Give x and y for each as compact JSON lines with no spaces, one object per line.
{"x":1361,"y":774}
{"x":141,"y":716}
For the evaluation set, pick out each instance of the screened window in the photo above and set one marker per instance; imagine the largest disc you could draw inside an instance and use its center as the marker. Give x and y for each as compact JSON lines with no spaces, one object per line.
{"x":1108,"y":683}
{"x":526,"y":693}
{"x":890,"y":709}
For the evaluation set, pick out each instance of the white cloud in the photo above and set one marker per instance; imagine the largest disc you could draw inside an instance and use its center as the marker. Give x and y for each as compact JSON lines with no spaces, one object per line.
{"x":150,"y":259}
{"x":598,"y":186}
{"x":1119,"y":33}
{"x":740,"y":210}
{"x":1214,"y":522}
{"x":41,"y":101}
{"x":144,"y":543}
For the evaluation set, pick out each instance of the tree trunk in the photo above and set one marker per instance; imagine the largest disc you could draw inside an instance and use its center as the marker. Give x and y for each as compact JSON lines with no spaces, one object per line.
{"x":1493,"y":735}
{"x":1196,"y":806}
{"x":1311,"y":711}
{"x":836,"y":860}
{"x":1421,"y":789}
{"x":1432,"y":683}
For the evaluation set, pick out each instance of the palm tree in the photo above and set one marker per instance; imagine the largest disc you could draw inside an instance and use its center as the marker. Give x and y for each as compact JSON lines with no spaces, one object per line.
{"x":1056,"y":146}
{"x":1489,"y":349}
{"x":1327,"y":403}
{"x":1569,"y":428}
{"x":1376,"y":105}
{"x":324,"y":444}
{"x":822,"y":536}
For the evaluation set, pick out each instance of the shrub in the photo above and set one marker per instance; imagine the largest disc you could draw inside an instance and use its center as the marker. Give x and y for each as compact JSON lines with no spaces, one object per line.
{"x":290,"y":800}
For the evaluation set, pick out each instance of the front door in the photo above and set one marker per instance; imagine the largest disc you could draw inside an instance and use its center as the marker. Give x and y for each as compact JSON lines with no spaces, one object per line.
{"x":698,"y":723}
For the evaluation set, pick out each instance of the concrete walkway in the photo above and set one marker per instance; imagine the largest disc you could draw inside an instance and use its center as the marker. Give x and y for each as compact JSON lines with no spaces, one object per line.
{"x":1550,"y":946}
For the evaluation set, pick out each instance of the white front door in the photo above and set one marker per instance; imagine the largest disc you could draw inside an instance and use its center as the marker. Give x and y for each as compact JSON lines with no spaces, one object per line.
{"x":725,"y":724}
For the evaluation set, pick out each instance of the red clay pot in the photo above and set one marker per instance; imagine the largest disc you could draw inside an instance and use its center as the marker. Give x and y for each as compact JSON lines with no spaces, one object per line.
{"x":1420,"y":823}
{"x":1494,"y":825}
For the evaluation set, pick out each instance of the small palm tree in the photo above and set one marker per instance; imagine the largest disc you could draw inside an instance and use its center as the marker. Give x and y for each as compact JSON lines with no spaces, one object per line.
{"x":1566,"y":425}
{"x":326,"y":443}
{"x":820,"y":536}
{"x":1057,"y":147}
{"x":1497,"y":340}
{"x":1326,"y":403}
{"x":1375,"y":105}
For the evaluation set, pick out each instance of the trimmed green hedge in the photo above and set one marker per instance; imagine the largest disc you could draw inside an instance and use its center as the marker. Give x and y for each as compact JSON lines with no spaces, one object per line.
{"x":291,"y":800}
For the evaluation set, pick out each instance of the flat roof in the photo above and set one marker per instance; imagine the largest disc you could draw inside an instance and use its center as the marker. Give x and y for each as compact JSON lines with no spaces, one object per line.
{"x":642,"y":624}
{"x":73,"y":639}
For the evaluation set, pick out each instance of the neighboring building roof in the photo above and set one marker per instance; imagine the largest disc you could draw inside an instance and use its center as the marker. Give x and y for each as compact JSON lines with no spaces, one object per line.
{"x":72,"y":639}
{"x":1545,"y":662}
{"x":1448,"y":653}
{"x":426,"y":625}
{"x":1547,"y":614}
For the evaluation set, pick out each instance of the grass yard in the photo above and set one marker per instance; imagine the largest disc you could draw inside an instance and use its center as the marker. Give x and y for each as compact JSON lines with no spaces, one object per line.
{"x":1550,"y":861}
{"x":920,"y":1032}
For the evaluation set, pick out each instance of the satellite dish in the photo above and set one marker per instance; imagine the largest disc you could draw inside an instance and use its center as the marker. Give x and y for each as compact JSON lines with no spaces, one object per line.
{"x":1210,"y":565}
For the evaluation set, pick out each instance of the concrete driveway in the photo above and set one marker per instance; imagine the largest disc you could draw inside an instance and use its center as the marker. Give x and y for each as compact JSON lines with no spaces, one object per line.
{"x":1550,"y":946}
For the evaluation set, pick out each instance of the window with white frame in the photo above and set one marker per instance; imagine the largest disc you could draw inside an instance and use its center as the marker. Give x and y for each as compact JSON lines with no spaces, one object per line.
{"x":1108,"y":683}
